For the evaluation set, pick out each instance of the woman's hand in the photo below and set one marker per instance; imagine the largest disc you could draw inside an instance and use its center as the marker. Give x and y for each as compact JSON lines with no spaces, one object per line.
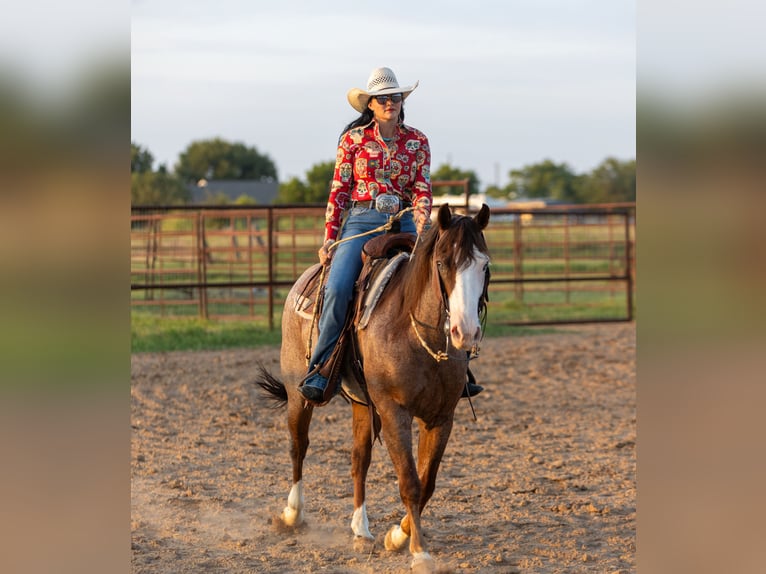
{"x":422,"y":222}
{"x":324,"y":252}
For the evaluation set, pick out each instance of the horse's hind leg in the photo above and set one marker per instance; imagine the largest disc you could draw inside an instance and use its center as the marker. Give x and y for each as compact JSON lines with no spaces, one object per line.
{"x":361,"y":454}
{"x":298,"y":421}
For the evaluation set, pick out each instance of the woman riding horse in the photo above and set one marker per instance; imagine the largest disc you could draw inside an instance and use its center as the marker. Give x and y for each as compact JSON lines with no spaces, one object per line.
{"x":382,"y":166}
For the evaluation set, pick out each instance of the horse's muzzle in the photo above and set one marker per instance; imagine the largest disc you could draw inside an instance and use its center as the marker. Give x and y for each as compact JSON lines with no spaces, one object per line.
{"x":465,"y":338}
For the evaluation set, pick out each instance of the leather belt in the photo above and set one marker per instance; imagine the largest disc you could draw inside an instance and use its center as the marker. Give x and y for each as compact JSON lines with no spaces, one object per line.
{"x":370,"y":204}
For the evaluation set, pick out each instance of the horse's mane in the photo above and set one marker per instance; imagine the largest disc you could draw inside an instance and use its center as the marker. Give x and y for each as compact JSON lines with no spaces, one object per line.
{"x":463,"y":233}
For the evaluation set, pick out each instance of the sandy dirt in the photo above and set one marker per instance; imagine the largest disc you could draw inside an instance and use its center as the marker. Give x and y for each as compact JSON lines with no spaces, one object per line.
{"x":544,"y":481}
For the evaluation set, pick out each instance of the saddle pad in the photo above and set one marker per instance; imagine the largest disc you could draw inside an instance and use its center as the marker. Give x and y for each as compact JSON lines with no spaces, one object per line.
{"x":378,"y":285}
{"x":305,"y":291}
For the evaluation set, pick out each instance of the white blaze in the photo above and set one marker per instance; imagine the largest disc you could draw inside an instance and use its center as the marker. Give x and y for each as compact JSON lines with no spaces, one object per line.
{"x":465,"y":329}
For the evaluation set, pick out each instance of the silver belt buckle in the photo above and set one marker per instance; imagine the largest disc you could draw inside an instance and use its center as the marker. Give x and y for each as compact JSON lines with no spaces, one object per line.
{"x":387,"y":203}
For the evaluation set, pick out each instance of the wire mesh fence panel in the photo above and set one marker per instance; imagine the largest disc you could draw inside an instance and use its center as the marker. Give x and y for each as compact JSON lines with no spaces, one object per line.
{"x":561,"y":265}
{"x":552,"y":265}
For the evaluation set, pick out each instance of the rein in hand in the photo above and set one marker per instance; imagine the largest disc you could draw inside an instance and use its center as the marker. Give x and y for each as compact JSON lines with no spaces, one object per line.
{"x":385,"y":227}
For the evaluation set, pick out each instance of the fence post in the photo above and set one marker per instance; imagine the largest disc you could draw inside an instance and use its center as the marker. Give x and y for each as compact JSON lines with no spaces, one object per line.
{"x":151,"y":254}
{"x":202,"y":265}
{"x":293,"y":247}
{"x":612,"y":262}
{"x":271,"y":266}
{"x":250,"y":294}
{"x":467,"y":191}
{"x":518,"y":259}
{"x":567,"y":258}
{"x":628,"y":264}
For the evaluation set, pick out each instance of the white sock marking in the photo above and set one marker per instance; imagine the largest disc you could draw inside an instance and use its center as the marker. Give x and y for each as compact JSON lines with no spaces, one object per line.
{"x":292,"y":515}
{"x":398,"y":536}
{"x":359,"y":524}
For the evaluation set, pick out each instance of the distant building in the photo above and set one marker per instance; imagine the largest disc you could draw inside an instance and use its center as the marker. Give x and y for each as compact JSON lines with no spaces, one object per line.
{"x":206,"y":189}
{"x":475,"y":200}
{"x":536,"y":202}
{"x":532,"y":204}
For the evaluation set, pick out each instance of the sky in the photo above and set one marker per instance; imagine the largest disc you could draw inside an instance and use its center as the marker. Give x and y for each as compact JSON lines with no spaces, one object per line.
{"x":503,"y":84}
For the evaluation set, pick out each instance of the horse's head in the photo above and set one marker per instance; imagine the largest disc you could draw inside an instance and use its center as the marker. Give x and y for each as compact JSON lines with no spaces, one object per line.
{"x":462,"y":262}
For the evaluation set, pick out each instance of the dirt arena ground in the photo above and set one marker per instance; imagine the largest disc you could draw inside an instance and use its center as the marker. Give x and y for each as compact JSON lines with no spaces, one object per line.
{"x":543,"y":482}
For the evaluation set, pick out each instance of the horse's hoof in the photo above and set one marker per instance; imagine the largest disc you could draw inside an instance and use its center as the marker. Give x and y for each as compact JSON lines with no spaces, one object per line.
{"x":422,"y":563}
{"x":292,"y":517}
{"x":396,"y":539}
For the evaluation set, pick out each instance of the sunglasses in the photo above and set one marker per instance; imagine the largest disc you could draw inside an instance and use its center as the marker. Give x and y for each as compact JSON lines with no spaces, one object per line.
{"x":395,"y":98}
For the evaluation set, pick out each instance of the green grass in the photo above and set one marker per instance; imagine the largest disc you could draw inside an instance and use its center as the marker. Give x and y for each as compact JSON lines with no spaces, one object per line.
{"x":500,"y":330}
{"x":554,"y":306}
{"x":152,"y":334}
{"x":157,"y":334}
{"x":183,"y":329}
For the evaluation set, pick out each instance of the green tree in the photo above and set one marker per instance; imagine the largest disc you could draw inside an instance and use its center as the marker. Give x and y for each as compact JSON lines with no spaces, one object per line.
{"x":157,"y":188}
{"x":215,"y":198}
{"x":315,"y":189}
{"x":245,"y":200}
{"x":447,"y":172}
{"x":543,"y":180}
{"x":292,"y":191}
{"x":611,"y":181}
{"x":219,"y":159}
{"x":141,"y":159}
{"x":318,"y":179}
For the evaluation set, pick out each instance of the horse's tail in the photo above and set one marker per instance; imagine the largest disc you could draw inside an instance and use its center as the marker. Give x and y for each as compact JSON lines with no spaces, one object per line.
{"x":275,"y":389}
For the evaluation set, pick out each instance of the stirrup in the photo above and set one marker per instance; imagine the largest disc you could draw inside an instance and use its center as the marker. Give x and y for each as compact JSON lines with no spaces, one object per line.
{"x":312,"y":394}
{"x":310,"y":374}
{"x":471,"y":390}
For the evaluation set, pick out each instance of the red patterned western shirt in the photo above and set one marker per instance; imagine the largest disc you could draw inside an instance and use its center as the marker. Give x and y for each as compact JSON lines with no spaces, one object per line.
{"x":366,"y":166}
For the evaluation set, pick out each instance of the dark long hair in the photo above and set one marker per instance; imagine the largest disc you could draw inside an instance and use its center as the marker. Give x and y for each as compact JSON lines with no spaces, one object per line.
{"x":366,"y":118}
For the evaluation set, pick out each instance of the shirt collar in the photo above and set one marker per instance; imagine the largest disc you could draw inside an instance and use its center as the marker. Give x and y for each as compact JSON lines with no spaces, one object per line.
{"x":401,"y":127}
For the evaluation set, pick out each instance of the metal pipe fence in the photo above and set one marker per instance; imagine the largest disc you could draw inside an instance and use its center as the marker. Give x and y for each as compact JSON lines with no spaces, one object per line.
{"x":550,"y":265}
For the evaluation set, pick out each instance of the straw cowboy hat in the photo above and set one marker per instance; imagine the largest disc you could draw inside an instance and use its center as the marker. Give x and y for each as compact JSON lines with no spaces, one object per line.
{"x":382,"y":81}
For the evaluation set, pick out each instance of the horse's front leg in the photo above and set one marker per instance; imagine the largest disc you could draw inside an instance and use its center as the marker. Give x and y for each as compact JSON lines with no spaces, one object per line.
{"x":431,"y":447}
{"x":298,"y":422}
{"x":397,"y":433}
{"x":361,"y":454}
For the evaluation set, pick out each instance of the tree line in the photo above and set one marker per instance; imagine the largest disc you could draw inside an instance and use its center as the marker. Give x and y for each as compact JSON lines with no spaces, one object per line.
{"x":613,"y":180}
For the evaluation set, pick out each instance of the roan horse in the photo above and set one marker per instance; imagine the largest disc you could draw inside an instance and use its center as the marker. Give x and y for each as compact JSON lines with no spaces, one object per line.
{"x":436,"y":297}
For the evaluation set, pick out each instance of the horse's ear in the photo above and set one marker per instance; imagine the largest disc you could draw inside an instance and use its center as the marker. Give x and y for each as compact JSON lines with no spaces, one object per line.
{"x":445,"y":216}
{"x":482,"y":218}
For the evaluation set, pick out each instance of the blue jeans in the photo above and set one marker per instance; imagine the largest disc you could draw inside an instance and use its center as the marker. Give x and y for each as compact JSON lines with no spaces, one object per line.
{"x":346,"y":264}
